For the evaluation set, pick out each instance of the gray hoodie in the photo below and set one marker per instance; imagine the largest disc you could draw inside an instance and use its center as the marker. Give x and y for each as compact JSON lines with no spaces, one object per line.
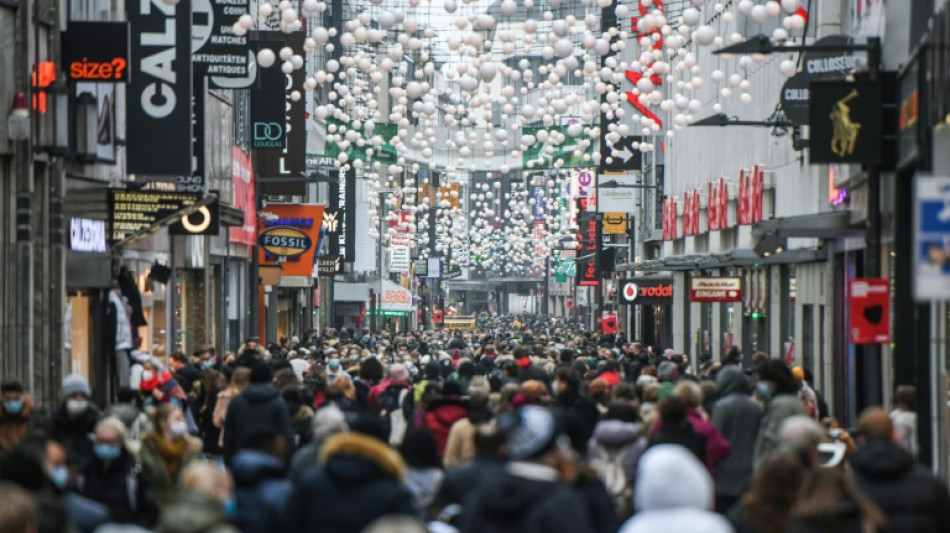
{"x":736,"y":415}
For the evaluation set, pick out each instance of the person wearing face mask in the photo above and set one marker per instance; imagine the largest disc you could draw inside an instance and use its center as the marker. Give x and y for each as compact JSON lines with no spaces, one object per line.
{"x":75,"y":419}
{"x":203,"y":502}
{"x":777,"y":389}
{"x":166,"y":451}
{"x":84,"y":513}
{"x":113,"y":477}
{"x":14,"y":414}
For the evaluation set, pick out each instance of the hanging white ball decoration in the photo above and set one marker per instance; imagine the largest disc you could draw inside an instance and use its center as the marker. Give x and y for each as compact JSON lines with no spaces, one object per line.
{"x":704,"y":35}
{"x":788,"y":68}
{"x":790,"y":5}
{"x":266,"y":57}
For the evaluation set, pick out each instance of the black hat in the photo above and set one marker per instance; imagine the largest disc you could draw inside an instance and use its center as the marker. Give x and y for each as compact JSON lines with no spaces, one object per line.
{"x":261,"y":373}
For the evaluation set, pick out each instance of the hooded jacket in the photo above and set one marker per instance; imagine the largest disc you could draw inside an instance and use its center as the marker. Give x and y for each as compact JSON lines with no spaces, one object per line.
{"x":674,"y":493}
{"x":613,"y":437}
{"x":527,"y":498}
{"x":908,"y":494}
{"x":13,"y":428}
{"x":440,"y":418}
{"x":261,"y":491}
{"x":255,"y":406}
{"x":359,"y":480}
{"x":737,"y":417}
{"x":192,"y":512}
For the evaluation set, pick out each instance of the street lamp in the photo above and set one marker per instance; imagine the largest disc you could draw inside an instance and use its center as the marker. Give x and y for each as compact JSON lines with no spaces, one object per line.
{"x":721,"y":119}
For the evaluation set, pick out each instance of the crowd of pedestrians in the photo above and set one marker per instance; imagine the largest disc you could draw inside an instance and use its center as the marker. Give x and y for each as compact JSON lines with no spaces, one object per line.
{"x":524,"y":426}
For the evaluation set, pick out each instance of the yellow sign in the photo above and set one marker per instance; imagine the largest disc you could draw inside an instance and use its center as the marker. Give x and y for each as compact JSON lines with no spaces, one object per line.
{"x":845,"y":131}
{"x":459,"y":323}
{"x":615,"y":223}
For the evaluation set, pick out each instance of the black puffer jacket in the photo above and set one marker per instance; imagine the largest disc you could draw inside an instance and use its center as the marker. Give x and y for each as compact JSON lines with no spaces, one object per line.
{"x":256,"y":406}
{"x":515,"y":504}
{"x":73,"y":432}
{"x":120,"y":486}
{"x":359,"y":480}
{"x":908,"y":494}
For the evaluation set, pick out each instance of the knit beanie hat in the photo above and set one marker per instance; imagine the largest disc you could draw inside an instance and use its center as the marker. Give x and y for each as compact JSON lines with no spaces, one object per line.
{"x":531,"y":432}
{"x":261,"y":373}
{"x":76,"y":384}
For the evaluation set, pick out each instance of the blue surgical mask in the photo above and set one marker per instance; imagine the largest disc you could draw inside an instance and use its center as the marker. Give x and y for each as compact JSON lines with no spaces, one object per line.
{"x":107,"y":452}
{"x":13,"y":407}
{"x":208,"y":363}
{"x":764,"y":389}
{"x":60,"y":477}
{"x":230,"y":507}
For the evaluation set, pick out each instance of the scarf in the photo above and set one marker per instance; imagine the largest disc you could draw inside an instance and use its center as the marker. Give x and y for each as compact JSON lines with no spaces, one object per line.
{"x":171,"y":453}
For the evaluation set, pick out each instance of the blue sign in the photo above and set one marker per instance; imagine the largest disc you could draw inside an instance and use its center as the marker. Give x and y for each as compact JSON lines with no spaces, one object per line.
{"x":932,"y":238}
{"x":537,"y":210}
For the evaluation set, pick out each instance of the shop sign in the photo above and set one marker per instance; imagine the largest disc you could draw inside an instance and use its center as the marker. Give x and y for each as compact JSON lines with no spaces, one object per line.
{"x":87,"y":236}
{"x":931,"y":238}
{"x":834,"y":65}
{"x":538,"y":208}
{"x":670,"y":231}
{"x":329,"y":266}
{"x":288,"y":236}
{"x":717,"y":208}
{"x":655,"y":291}
{"x":715,"y":289}
{"x":691,"y":213}
{"x":242,"y":185}
{"x":267,"y":108}
{"x":134,"y":212}
{"x":870,"y":310}
{"x":395,"y":298}
{"x":343,"y":203}
{"x":434,"y":268}
{"x":217,"y":51}
{"x":275,"y":166}
{"x":794,"y":99}
{"x":206,"y":220}
{"x":400,"y":258}
{"x":845,"y":122}
{"x":908,"y":113}
{"x":96,"y":51}
{"x":158,"y":114}
{"x":751,"y":188}
{"x":615,"y":223}
{"x":588,"y":251}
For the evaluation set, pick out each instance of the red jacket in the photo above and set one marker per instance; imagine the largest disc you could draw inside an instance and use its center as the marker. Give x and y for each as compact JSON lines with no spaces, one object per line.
{"x":440,"y":418}
{"x":610,"y":377}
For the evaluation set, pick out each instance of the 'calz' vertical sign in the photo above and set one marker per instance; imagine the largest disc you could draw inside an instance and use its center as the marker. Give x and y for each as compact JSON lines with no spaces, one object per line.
{"x":158,"y":103}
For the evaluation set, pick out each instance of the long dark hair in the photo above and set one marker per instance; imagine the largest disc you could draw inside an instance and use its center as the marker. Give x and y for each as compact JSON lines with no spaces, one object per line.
{"x":774,"y":491}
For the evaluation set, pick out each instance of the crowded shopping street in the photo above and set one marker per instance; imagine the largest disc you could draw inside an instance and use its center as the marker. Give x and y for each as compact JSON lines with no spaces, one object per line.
{"x":475,"y":266}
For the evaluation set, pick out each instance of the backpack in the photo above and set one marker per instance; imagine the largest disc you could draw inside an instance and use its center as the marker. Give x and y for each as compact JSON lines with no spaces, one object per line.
{"x":395,"y":407}
{"x":610,"y":471}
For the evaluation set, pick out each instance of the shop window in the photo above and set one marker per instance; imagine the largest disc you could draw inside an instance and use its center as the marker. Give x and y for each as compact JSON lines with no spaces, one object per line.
{"x":80,"y":334}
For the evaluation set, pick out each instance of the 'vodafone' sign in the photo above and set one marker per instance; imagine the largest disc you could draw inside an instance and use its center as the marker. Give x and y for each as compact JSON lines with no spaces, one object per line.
{"x":647,"y":291}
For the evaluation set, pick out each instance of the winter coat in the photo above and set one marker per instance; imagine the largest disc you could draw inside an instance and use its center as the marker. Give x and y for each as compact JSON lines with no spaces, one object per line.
{"x":261,"y":490}
{"x":84,"y":513}
{"x":193,"y":512}
{"x":375,"y":391}
{"x":467,"y":478}
{"x":359,"y":480}
{"x":908,"y":494}
{"x":301,"y":420}
{"x":777,"y":411}
{"x":616,"y":437}
{"x":13,"y":428}
{"x":257,"y":405}
{"x":527,"y":498}
{"x":73,"y":432}
{"x":120,"y":486}
{"x":440,"y":417}
{"x":737,"y":417}
{"x":533,"y":372}
{"x":155,"y":466}
{"x":674,"y":493}
{"x":423,"y":484}
{"x":579,"y":414}
{"x":682,"y":435}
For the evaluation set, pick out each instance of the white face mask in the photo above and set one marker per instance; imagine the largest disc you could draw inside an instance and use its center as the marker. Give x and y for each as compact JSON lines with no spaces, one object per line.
{"x":76,"y":407}
{"x":178,"y":428}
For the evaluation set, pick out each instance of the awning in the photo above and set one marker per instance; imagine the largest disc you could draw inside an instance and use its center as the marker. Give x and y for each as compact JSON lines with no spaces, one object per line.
{"x":830,"y":225}
{"x":734,"y":258}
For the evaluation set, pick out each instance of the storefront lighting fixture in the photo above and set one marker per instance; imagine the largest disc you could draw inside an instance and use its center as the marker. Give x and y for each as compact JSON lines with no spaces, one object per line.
{"x":87,"y":119}
{"x":18,"y":121}
{"x":55,"y":121}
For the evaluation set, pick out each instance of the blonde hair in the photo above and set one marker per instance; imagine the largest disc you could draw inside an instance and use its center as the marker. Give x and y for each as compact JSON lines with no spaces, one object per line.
{"x":113,"y":423}
{"x":204,"y":477}
{"x":349,"y":390}
{"x":240,"y":379}
{"x":691,"y":393}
